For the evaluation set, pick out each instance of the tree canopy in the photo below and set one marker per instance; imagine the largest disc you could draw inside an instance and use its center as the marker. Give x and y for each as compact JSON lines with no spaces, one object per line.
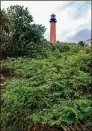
{"x":23,"y":33}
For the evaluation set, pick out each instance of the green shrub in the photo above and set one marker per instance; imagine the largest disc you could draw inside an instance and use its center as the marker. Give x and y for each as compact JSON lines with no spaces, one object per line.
{"x":52,"y":88}
{"x":66,"y":112}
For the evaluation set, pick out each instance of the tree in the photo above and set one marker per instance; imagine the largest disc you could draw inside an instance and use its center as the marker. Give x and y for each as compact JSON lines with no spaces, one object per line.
{"x":81,"y":43}
{"x":20,"y":19}
{"x":4,"y":32}
{"x":37,"y":32}
{"x":24,"y":34}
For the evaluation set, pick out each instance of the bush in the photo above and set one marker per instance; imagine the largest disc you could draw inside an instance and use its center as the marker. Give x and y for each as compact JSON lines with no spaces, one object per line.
{"x":53,"y":88}
{"x":66,"y":112}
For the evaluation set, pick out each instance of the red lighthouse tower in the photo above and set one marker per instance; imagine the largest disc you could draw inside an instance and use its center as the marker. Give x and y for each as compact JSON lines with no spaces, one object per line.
{"x":53,"y":28}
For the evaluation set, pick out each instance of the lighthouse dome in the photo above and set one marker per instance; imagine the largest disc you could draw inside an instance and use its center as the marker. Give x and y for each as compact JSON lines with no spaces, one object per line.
{"x":53,"y":18}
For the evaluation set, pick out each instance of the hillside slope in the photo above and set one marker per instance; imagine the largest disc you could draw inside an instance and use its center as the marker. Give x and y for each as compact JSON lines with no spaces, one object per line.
{"x":52,"y":91}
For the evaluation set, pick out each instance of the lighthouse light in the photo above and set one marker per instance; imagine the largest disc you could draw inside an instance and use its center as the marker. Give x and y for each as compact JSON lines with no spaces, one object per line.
{"x":53,"y":16}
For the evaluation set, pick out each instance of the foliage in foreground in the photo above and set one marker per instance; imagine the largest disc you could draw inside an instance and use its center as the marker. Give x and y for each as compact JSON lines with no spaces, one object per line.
{"x":53,"y":89}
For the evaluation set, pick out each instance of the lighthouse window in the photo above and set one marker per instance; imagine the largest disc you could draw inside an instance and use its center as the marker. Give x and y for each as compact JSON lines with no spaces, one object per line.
{"x":53,"y":17}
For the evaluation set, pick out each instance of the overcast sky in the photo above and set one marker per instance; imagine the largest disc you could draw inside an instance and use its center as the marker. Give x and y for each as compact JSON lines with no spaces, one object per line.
{"x":73,"y":17}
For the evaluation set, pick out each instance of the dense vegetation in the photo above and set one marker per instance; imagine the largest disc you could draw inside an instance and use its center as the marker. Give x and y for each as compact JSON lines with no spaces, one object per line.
{"x":48,"y":83}
{"x":53,"y":90}
{"x":18,"y":35}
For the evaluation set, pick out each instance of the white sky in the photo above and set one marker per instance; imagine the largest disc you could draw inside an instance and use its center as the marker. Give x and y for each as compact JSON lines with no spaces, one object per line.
{"x":65,"y":26}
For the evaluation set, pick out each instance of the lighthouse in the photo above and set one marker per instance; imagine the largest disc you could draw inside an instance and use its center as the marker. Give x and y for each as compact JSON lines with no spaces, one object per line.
{"x":53,"y":28}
